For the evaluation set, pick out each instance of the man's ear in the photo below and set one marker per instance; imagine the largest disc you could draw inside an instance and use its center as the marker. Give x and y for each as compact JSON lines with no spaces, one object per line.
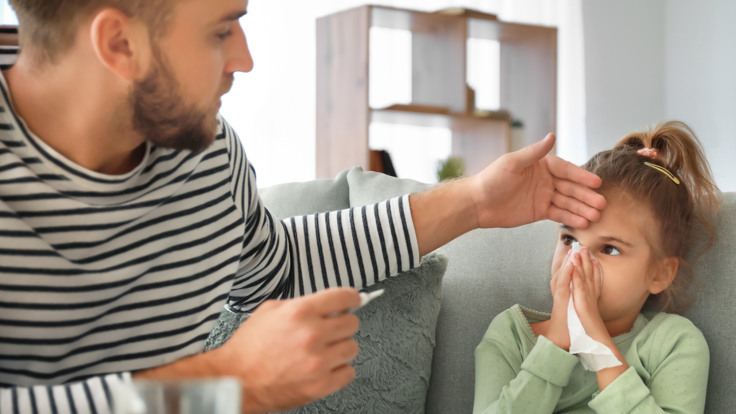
{"x":119,"y":42}
{"x":664,"y":275}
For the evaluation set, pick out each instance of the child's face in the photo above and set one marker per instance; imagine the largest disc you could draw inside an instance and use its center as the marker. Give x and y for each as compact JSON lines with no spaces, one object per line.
{"x":620,"y":242}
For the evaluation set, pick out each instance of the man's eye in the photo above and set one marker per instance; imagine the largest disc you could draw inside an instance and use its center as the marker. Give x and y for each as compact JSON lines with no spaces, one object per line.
{"x":225,"y":35}
{"x":567,"y":240}
{"x":610,"y":250}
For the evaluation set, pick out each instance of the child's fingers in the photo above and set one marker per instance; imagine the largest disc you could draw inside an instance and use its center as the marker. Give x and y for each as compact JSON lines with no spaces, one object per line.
{"x":586,"y":263}
{"x":578,"y":284}
{"x":555,"y":277}
{"x":579,"y":291}
{"x":562,"y":282}
{"x":589,"y":273}
{"x":583,"y":293}
{"x":597,"y":278}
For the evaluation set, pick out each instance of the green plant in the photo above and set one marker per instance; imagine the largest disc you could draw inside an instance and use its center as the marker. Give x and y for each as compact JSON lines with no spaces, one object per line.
{"x":453,"y":167}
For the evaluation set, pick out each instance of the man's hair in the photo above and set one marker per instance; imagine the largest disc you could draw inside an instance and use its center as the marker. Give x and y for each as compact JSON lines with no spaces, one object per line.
{"x":48,"y":27}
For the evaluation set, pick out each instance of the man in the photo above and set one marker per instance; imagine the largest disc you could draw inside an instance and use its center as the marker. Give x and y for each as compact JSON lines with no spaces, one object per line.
{"x":130,"y":216}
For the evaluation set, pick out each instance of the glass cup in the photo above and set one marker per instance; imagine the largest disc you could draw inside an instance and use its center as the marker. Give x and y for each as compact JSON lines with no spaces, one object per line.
{"x":210,"y":396}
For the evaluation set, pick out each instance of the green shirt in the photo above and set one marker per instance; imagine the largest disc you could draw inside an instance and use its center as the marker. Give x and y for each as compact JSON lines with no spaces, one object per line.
{"x":516,"y":372}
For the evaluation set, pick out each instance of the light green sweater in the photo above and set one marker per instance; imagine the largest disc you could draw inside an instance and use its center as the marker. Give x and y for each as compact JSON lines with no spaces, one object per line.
{"x":516,"y":372}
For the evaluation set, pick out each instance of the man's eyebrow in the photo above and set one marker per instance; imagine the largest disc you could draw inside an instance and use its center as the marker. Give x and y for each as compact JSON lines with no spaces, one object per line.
{"x":230,"y":17}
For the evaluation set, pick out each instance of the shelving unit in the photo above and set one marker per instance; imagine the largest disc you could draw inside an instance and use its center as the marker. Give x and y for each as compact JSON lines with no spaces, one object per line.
{"x":440,"y":94}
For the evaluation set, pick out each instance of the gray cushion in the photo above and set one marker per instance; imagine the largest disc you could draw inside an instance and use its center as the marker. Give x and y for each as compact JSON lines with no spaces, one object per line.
{"x":367,"y":187}
{"x":317,"y":196}
{"x":396,"y":338}
{"x":714,"y":308}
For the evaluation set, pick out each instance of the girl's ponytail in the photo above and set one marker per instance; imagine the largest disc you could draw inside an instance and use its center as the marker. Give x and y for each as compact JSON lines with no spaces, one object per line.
{"x":680,"y":152}
{"x":666,"y":168}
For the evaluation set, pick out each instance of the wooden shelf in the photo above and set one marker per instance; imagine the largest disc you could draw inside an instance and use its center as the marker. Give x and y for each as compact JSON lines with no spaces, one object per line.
{"x":467,"y":13}
{"x":440,"y":95}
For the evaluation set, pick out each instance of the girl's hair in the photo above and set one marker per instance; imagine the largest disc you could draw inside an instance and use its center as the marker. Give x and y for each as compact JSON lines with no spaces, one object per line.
{"x":684,"y":212}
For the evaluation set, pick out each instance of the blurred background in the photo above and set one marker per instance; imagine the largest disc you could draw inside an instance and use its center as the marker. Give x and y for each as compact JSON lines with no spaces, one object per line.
{"x":622,"y":66}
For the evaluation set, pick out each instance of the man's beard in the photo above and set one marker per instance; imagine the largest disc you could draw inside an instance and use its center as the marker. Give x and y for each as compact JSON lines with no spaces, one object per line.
{"x":162,"y":118}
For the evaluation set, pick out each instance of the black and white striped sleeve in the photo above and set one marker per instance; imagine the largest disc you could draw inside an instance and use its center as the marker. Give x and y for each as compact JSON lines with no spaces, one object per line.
{"x":282,"y":259}
{"x":94,"y":395}
{"x":355,"y":247}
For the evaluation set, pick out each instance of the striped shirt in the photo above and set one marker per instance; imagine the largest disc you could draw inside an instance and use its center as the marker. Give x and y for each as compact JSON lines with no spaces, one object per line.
{"x":103,"y":275}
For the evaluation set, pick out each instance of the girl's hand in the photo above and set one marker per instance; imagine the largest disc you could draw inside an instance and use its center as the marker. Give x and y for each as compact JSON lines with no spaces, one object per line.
{"x":560,"y":287}
{"x":586,"y":282}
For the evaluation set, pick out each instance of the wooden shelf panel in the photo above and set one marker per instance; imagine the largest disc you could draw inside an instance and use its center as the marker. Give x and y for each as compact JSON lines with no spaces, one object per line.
{"x":526,"y":73}
{"x":342,"y":91}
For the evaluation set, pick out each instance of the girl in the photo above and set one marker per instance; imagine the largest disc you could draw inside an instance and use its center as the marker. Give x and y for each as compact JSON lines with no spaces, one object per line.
{"x":660,"y":194}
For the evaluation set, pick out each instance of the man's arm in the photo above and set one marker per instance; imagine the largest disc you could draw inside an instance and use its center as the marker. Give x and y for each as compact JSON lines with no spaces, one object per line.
{"x":94,"y":395}
{"x":519,"y":188}
{"x":298,"y":256}
{"x":286,"y":354}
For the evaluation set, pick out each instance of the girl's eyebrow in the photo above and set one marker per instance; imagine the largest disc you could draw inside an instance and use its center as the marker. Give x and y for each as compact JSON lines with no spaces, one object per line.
{"x":603,"y":239}
{"x":616,"y":240}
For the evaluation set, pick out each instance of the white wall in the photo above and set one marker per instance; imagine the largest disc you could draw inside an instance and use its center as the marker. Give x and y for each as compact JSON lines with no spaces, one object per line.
{"x":624,"y":66}
{"x":6,"y":13}
{"x":700,"y":81}
{"x":656,"y":60}
{"x":277,"y":99}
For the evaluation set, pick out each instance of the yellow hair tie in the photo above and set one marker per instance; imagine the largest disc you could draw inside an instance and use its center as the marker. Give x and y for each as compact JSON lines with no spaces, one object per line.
{"x":663,"y":171}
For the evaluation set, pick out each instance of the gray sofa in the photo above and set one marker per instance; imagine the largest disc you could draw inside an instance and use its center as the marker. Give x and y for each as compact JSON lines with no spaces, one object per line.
{"x":490,"y":270}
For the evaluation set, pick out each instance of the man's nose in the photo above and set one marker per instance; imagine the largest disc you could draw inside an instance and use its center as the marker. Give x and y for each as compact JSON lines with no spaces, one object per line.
{"x":240,"y":59}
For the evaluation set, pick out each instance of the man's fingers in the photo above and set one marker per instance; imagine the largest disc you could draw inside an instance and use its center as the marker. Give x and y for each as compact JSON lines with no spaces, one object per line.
{"x":567,"y":218}
{"x":580,"y":193}
{"x":571,"y":172}
{"x":574,"y":207}
{"x":343,"y":352}
{"x":333,"y":301}
{"x":341,"y":326}
{"x":535,"y":152}
{"x":341,"y":377}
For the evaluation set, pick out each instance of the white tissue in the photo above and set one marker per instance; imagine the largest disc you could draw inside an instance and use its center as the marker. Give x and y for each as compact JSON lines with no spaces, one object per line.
{"x":593,"y":355}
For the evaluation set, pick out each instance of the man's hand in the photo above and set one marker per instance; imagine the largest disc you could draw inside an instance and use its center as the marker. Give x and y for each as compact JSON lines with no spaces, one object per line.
{"x":531,"y":185}
{"x":288,"y":353}
{"x":519,"y":188}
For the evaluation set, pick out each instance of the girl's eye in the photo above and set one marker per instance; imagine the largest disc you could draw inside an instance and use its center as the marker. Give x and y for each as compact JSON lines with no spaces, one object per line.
{"x":610,"y":250}
{"x":567,"y":240}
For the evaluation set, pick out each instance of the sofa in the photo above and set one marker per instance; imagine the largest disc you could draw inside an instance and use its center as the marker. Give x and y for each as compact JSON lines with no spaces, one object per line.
{"x":424,"y":362}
